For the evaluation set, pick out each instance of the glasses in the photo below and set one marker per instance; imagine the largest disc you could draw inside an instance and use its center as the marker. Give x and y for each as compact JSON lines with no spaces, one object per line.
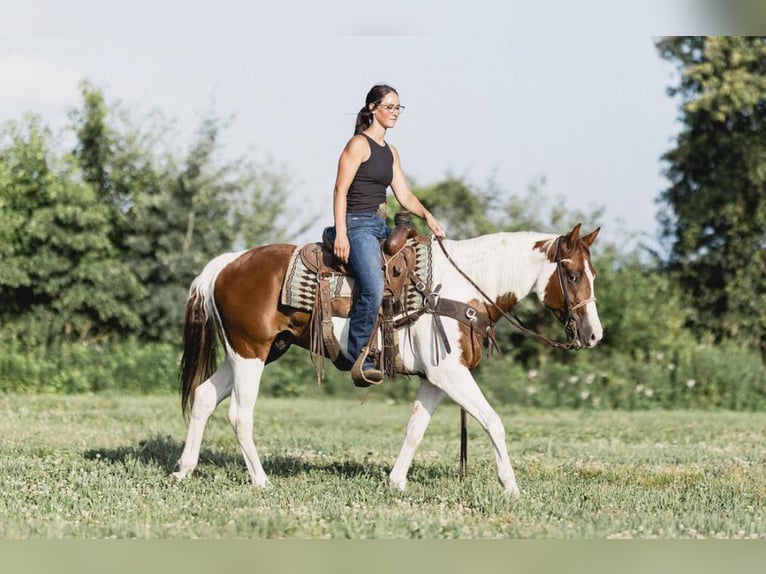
{"x":390,"y":108}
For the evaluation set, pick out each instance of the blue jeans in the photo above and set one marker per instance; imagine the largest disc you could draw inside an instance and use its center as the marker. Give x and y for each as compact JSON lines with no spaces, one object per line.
{"x":365,"y":231}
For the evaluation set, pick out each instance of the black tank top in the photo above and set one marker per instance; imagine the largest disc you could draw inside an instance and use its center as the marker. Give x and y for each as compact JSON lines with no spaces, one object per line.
{"x":368,"y":189}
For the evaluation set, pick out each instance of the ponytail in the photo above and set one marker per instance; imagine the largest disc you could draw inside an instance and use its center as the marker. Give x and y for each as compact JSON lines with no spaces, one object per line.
{"x":363,"y":120}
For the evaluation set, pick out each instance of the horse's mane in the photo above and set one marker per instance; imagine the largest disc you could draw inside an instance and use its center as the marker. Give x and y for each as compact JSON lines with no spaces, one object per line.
{"x":496,"y":257}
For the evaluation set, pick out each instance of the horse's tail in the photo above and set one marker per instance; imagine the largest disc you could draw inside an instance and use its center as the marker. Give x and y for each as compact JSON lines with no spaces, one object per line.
{"x":199,"y":358}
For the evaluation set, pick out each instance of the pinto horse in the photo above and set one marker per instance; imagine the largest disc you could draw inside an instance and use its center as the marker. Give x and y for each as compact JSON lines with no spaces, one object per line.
{"x":237,"y":298}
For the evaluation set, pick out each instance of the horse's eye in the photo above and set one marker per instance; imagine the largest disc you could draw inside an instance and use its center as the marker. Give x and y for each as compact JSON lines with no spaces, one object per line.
{"x":574,"y":277}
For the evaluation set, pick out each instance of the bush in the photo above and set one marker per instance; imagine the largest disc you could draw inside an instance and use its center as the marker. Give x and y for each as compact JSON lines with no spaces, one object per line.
{"x":124,"y":366}
{"x":707,"y":377}
{"x":725,"y":376}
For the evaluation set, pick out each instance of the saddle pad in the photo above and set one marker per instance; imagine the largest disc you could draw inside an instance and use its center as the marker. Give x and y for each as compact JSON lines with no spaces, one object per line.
{"x":299,"y":286}
{"x":412,"y":299}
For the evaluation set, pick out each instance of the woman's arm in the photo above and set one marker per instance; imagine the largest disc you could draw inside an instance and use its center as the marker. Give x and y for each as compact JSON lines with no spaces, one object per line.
{"x":408,"y":200}
{"x":356,"y":152}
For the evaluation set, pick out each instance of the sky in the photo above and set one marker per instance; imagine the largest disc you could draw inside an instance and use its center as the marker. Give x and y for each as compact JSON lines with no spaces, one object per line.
{"x":510,"y":91}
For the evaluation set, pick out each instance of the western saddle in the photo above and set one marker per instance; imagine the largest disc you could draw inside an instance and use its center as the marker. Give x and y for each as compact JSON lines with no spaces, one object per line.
{"x":398,"y":254}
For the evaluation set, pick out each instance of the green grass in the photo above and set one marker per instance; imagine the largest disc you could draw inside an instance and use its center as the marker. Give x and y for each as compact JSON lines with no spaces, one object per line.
{"x":96,"y":466}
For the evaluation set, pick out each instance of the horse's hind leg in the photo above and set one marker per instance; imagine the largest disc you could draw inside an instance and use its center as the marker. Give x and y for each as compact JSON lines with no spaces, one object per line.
{"x":247,"y":381}
{"x":206,"y":398}
{"x":427,"y":399}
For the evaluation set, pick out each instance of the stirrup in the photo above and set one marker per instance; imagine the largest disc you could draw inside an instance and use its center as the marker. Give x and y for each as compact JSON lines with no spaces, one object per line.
{"x":362,"y":378}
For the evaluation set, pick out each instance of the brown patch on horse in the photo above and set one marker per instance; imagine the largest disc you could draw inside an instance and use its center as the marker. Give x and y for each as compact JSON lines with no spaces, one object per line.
{"x":504,"y":302}
{"x":471,"y":345}
{"x":247,"y":294}
{"x":543,"y":245}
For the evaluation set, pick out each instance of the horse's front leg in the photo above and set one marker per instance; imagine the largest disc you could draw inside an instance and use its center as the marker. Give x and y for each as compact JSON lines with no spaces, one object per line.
{"x":206,"y":398}
{"x":458,"y":383}
{"x":427,"y":399}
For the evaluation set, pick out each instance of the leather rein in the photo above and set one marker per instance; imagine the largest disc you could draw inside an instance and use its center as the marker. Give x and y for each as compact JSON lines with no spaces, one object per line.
{"x":568,"y":319}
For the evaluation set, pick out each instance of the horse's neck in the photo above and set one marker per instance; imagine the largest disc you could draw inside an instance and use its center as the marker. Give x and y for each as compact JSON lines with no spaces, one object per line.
{"x":501,"y":263}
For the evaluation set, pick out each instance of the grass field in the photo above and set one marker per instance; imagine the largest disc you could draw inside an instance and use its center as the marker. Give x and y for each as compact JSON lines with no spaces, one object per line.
{"x":99,"y":467}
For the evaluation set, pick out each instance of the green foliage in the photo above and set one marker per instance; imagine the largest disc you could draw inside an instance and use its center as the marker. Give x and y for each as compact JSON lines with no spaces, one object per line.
{"x":95,"y":141}
{"x":104,"y":241}
{"x":716,"y":205}
{"x":464,"y":210}
{"x":173,"y":214}
{"x":58,"y":262}
{"x":726,"y":375}
{"x":640,"y":306}
{"x":124,"y":367}
{"x":707,"y":377}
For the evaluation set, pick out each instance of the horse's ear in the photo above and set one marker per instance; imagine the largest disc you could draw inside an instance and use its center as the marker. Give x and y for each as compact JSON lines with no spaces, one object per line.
{"x":591,"y":237}
{"x":572,"y":236}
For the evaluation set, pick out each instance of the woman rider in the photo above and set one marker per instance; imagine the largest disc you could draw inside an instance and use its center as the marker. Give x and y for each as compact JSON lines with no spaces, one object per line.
{"x":367,"y":166}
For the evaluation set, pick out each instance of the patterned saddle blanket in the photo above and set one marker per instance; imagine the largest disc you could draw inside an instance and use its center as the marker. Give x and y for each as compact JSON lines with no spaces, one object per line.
{"x":300,"y":284}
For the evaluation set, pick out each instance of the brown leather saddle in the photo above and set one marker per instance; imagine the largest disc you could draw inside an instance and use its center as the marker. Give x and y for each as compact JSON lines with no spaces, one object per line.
{"x":398,"y":256}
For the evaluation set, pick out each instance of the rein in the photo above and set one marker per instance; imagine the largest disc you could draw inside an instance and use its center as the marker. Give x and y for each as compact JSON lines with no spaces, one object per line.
{"x":514,"y":319}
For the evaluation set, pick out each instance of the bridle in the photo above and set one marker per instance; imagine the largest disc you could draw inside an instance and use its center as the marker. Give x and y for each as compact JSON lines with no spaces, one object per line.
{"x":569,"y":321}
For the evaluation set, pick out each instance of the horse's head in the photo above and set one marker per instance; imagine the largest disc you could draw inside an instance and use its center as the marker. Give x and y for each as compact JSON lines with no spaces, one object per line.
{"x":569,"y":291}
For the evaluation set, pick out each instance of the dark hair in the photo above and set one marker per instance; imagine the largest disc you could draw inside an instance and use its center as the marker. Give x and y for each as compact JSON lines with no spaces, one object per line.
{"x":374,"y":96}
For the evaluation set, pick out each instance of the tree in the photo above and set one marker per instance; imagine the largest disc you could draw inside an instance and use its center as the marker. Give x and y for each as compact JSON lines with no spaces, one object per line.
{"x":170,"y":214}
{"x":61,"y":277}
{"x":105,"y":239}
{"x":715,"y":216}
{"x":463,"y":209}
{"x":640,"y":305}
{"x":94,"y":150}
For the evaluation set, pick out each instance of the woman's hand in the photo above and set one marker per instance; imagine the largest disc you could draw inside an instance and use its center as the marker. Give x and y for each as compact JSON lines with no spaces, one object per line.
{"x":434,"y":225}
{"x":341,"y":247}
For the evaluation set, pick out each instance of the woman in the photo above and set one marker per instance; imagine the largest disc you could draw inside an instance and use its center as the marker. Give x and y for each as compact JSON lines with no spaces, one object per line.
{"x":366,"y":168}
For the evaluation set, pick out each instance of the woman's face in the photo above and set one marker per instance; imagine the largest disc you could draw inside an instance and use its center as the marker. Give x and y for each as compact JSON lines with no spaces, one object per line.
{"x":388,"y":110}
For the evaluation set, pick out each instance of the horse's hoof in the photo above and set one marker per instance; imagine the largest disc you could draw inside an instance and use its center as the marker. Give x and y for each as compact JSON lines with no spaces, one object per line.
{"x":512,"y":492}
{"x":179,"y":475}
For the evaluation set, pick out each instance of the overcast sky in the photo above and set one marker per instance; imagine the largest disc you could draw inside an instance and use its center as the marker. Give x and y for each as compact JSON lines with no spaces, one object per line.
{"x":509,"y":90}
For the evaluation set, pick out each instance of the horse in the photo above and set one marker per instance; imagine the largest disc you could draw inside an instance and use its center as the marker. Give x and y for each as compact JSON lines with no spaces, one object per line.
{"x":236,"y":299}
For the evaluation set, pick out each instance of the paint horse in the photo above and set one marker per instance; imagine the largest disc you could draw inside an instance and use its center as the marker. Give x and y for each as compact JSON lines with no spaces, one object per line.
{"x":237,"y":298}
